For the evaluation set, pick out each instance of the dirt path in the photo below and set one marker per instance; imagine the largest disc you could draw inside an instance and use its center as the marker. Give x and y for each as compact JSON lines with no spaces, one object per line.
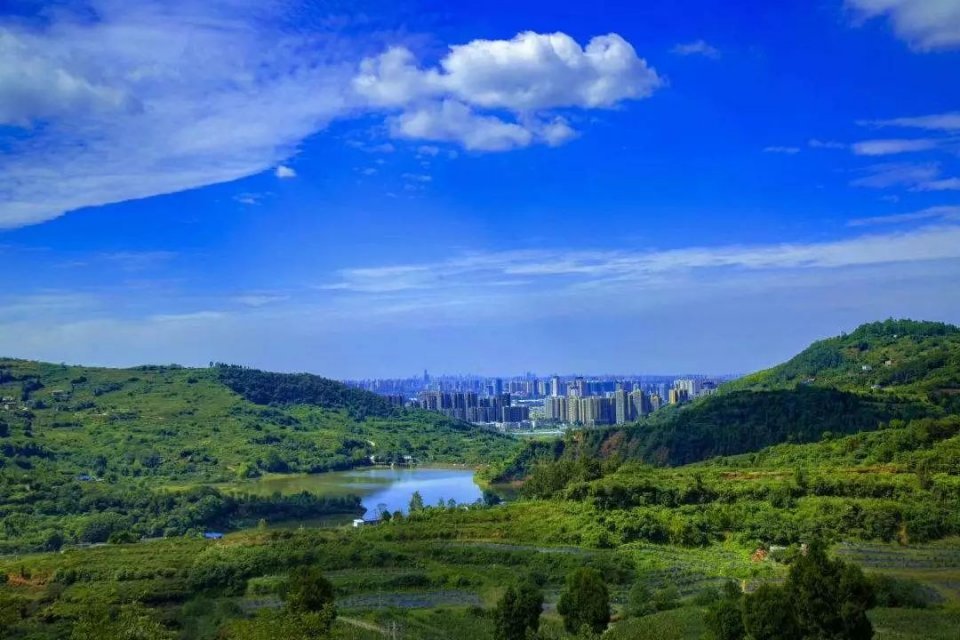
{"x":363,"y":624}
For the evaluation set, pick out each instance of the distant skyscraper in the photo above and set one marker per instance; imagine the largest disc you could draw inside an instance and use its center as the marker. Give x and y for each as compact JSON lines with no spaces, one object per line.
{"x":622,"y":406}
{"x":580,"y":385}
{"x":555,"y":386}
{"x":498,"y":386}
{"x":639,"y":404}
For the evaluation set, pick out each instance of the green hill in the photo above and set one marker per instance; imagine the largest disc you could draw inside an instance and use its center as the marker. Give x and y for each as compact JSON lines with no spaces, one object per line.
{"x":86,"y":452}
{"x":213,"y":424}
{"x":884,"y":371}
{"x":905,"y":357}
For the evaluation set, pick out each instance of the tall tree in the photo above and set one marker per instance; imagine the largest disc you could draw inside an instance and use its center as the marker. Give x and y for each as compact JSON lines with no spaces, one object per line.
{"x":725,"y":616}
{"x":518,"y":612}
{"x":416,"y":502}
{"x":830,"y":598}
{"x":585,"y":602}
{"x":768,"y":615}
{"x":307,"y":591}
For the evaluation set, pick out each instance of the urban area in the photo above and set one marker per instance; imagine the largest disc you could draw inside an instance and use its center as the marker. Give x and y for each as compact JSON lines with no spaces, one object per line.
{"x":530,"y":402}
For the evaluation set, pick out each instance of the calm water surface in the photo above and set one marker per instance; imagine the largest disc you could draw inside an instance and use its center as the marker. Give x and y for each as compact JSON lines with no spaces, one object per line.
{"x":391,"y":488}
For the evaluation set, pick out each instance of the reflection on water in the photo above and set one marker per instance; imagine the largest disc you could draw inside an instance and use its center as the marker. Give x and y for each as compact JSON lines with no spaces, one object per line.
{"x":380,"y":487}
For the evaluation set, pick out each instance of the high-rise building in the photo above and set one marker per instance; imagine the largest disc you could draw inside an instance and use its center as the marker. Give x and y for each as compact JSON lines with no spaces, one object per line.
{"x":497,"y":386}
{"x":623,"y":406}
{"x":555,"y":386}
{"x":514,"y":414}
{"x":639,"y":404}
{"x":581,"y":386}
{"x":573,"y":408}
{"x":656,"y":401}
{"x":691,"y":386}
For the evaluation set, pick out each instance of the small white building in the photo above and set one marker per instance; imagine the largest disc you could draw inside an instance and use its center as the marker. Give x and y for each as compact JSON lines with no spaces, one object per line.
{"x":358,"y":522}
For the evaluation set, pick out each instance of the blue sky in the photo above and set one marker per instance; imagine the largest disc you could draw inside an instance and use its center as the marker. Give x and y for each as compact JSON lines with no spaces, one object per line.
{"x":368,"y":189}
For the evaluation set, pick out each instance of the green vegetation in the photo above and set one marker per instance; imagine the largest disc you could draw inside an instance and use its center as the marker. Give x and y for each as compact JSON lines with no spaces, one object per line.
{"x":822,"y":598}
{"x":585,"y":603}
{"x":903,"y":357}
{"x":517,"y":614}
{"x":690,"y":525}
{"x":881,"y":373}
{"x":86,"y":453}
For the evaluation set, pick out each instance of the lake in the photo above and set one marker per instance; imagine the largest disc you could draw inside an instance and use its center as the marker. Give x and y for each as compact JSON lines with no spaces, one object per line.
{"x":378,"y":486}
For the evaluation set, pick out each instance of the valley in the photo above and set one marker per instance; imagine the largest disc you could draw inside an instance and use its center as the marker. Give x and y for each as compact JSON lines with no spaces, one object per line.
{"x":111,"y":478}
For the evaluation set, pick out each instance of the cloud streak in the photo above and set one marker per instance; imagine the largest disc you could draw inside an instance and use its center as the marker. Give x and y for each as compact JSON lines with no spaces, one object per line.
{"x":151,"y":98}
{"x":650,"y":267}
{"x":696,"y":48}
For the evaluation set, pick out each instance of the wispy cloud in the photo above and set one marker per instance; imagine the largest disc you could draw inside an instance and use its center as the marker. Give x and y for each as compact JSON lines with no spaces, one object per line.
{"x":926,"y":25}
{"x":144,"y":98}
{"x":780,"y":149}
{"x":260,"y":299}
{"x":886,"y":175}
{"x":475,"y":270}
{"x":947,"y":213}
{"x":826,"y":144}
{"x":135,"y":99}
{"x":696,"y":48}
{"x":935,"y":122}
{"x":944,"y":184}
{"x":893,"y":146}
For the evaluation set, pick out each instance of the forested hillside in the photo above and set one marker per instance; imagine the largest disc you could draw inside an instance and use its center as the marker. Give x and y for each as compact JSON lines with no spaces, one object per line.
{"x":882,"y":372}
{"x":902,"y":357}
{"x":84,"y":451}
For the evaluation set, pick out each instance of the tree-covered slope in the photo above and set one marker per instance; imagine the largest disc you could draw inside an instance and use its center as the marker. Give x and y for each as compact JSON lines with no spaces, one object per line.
{"x":904,"y":357}
{"x":883,"y":371}
{"x":90,"y":453}
{"x":211,"y":424}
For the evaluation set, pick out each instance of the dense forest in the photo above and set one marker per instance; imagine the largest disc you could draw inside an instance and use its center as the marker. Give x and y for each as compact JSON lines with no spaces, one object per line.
{"x":263,"y":387}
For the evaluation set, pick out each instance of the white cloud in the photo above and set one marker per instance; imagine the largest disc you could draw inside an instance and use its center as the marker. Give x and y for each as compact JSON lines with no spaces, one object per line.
{"x":135,"y":99}
{"x":826,"y":144}
{"x":452,"y":121}
{"x":927,"y":25}
{"x":250,"y":199}
{"x":696,"y":48}
{"x":259,"y":299}
{"x":778,"y":149}
{"x":945,"y":184}
{"x":934,"y":122}
{"x":428,"y":150}
{"x":127,"y":100}
{"x":283,"y":172}
{"x":883,"y":176}
{"x":944,"y":213}
{"x":417,"y":177}
{"x":526,"y":76}
{"x":653,"y":268}
{"x":892,"y":146}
